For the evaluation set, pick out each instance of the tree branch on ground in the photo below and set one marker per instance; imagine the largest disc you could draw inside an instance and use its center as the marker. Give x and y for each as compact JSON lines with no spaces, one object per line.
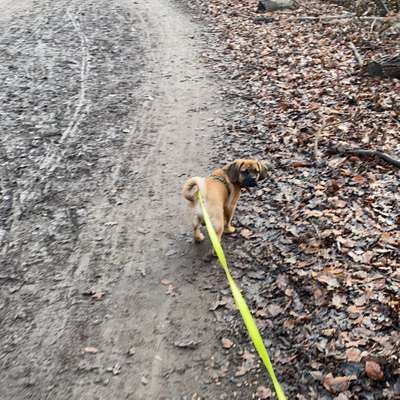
{"x":357,"y":55}
{"x":337,"y":149}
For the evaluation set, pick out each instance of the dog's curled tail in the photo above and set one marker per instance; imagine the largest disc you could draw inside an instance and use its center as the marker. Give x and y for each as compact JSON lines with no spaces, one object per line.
{"x":191,"y":187}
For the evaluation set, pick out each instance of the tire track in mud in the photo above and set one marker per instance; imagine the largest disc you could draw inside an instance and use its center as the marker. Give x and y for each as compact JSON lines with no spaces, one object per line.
{"x":169,"y":51}
{"x":52,"y":159}
{"x":42,"y":331}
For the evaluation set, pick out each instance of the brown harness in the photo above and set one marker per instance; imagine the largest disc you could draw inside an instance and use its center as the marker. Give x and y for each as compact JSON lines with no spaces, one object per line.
{"x":221,"y":179}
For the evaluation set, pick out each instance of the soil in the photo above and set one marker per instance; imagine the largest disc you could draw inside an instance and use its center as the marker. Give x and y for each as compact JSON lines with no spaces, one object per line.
{"x":106,"y":109}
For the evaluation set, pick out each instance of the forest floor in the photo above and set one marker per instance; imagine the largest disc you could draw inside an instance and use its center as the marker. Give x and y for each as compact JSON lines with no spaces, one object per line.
{"x":107,"y":107}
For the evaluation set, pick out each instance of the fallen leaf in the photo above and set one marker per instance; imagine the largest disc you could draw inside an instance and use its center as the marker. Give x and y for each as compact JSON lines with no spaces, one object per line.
{"x":263,"y":393}
{"x":367,"y":257}
{"x":346,"y":242}
{"x":374,"y":371}
{"x":360,"y":301}
{"x":171,"y":291}
{"x":91,"y":350}
{"x":329,"y":280}
{"x":344,"y":127}
{"x":144,"y":380}
{"x":98,"y":295}
{"x":248,"y":356}
{"x":340,"y":203}
{"x":242,"y":370}
{"x":313,"y":213}
{"x":116,"y":369}
{"x":274,"y":310}
{"x":329,"y":332}
{"x":342,"y":396}
{"x":338,"y":384}
{"x":246,"y":233}
{"x":300,"y":164}
{"x":353,"y":355}
{"x":338,"y":301}
{"x":187,"y":344}
{"x":281,"y":281}
{"x":170,"y":253}
{"x":218,"y":303}
{"x":392,"y":238}
{"x":355,"y":309}
{"x":226,"y":343}
{"x":358,"y":179}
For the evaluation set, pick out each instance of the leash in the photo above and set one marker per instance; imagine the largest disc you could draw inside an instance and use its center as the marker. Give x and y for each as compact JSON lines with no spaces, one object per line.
{"x":241,"y":304}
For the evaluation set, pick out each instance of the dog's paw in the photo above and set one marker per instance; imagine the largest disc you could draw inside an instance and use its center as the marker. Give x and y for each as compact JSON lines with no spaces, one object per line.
{"x":210,"y":256}
{"x":198,"y":238}
{"x":230,"y":229}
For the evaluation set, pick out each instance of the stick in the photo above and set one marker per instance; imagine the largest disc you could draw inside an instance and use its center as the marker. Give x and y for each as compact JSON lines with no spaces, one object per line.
{"x":329,"y":17}
{"x":322,"y":17}
{"x":316,"y":141}
{"x":356,"y":54}
{"x":364,"y":153}
{"x":384,"y":6}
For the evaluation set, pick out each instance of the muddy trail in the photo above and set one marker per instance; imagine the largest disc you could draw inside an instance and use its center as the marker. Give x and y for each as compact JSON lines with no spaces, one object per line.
{"x":106,"y":107}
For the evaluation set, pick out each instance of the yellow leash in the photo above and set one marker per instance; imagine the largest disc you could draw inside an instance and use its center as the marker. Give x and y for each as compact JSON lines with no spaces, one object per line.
{"x":241,"y":304}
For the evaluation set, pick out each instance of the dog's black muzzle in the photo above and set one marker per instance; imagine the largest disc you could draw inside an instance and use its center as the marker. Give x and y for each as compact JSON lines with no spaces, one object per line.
{"x":249,"y":181}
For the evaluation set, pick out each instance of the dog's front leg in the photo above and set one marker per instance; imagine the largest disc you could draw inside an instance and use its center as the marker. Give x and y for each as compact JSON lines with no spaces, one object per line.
{"x":230,"y":211}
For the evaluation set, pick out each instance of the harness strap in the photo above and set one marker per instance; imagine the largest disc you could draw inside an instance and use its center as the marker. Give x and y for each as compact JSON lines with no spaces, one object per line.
{"x":221,"y":179}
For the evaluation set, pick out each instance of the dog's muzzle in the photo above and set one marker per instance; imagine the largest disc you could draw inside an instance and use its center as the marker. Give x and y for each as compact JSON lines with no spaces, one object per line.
{"x":249,"y":181}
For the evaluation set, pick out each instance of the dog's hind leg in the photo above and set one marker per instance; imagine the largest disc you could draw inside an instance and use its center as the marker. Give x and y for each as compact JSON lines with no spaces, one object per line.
{"x":218,"y":223}
{"x":197,"y":235}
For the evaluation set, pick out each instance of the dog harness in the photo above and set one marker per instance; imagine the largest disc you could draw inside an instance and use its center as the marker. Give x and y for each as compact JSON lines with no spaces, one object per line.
{"x":221,"y":179}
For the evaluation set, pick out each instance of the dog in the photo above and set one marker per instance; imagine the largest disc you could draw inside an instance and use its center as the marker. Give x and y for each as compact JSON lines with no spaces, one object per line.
{"x":221,"y":192}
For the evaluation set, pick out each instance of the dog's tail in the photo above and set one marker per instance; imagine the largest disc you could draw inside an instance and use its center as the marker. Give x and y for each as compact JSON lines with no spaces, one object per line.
{"x":191,"y":187}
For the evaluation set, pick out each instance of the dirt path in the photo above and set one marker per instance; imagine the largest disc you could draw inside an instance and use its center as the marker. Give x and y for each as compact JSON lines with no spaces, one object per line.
{"x":106,"y":108}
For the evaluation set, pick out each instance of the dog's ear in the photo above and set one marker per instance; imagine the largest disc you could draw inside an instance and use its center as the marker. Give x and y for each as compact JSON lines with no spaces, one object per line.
{"x":233,"y":171}
{"x":263,"y":171}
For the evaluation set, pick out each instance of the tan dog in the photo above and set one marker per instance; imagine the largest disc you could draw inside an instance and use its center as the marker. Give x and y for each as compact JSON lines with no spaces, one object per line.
{"x":221,"y":192}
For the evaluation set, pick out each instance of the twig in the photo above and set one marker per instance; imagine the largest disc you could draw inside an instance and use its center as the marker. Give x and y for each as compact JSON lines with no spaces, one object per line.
{"x":329,"y":17}
{"x":364,"y":153}
{"x":372,"y":26}
{"x":384,"y":6}
{"x":367,"y":11}
{"x":317,"y":136}
{"x":356,"y":54}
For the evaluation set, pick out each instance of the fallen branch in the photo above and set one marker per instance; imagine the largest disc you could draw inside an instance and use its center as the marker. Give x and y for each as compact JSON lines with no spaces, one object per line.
{"x":357,"y":55}
{"x":364,"y":153}
{"x":384,"y":6}
{"x":344,"y":16}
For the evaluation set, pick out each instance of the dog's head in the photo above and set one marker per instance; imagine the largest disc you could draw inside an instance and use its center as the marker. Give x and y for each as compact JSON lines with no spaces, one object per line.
{"x":245,"y":173}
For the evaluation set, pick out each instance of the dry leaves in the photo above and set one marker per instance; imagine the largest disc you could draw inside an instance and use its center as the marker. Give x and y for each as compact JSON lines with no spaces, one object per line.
{"x":98,"y":295}
{"x":263,"y":393}
{"x":246,"y":233}
{"x":226,"y":343}
{"x":326,"y":231}
{"x":91,"y":350}
{"x":374,"y":371}
{"x":337,"y":384}
{"x":353,"y":355}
